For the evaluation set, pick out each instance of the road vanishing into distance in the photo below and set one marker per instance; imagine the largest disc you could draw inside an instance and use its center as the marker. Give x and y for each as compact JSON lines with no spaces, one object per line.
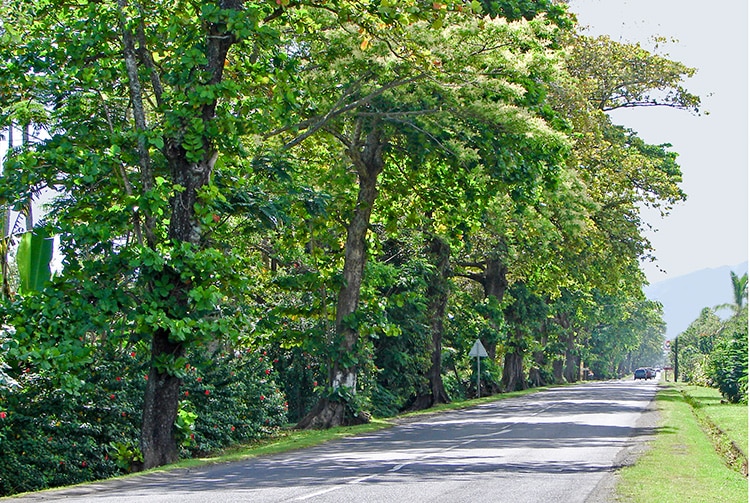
{"x":558,"y":445}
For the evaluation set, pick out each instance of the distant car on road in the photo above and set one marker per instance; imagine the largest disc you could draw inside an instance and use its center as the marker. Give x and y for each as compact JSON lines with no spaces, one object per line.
{"x":650,"y":373}
{"x":640,"y":374}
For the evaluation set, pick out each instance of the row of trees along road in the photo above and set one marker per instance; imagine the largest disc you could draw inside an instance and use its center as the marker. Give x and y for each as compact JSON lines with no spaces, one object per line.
{"x":360,"y":190}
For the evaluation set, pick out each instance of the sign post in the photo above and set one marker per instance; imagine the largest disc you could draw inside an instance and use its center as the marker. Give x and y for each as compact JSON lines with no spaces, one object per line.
{"x":478,"y":350}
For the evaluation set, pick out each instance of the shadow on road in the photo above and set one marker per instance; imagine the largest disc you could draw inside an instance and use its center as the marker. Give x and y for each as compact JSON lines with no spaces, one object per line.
{"x":540,"y":433}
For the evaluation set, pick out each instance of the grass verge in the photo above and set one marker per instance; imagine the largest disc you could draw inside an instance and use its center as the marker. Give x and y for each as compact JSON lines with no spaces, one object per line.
{"x":729,"y":418}
{"x":682,"y":465}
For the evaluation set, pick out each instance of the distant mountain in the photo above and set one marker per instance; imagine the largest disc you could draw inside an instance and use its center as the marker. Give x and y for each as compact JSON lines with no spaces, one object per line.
{"x":685,"y":297}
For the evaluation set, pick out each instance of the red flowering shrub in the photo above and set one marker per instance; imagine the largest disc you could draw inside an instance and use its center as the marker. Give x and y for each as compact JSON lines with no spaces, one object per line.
{"x":51,"y":437}
{"x":224,"y":394}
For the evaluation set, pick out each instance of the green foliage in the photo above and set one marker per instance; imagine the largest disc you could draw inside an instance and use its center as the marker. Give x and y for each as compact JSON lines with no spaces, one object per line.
{"x":739,"y":290}
{"x":230,"y":398}
{"x":727,"y":368}
{"x":628,"y":333}
{"x":300,"y":373}
{"x":726,"y":365}
{"x":713,"y":352}
{"x":125,"y":454}
{"x":220,"y":217}
{"x":695,"y":345}
{"x":55,"y":438}
{"x":402,"y":357}
{"x":466,"y":320}
{"x":33,"y":260}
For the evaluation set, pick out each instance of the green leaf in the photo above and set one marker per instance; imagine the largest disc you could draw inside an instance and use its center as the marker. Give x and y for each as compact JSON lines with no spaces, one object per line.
{"x":157,"y":141}
{"x":34,"y":257}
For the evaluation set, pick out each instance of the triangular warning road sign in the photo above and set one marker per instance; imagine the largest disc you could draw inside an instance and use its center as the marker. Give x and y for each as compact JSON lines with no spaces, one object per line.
{"x":478,"y":350}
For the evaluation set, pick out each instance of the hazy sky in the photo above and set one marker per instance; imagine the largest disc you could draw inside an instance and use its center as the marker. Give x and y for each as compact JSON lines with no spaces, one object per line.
{"x":711,"y":228}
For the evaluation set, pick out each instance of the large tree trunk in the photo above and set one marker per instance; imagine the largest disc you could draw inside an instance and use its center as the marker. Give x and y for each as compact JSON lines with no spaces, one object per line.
{"x":495,"y":285}
{"x":536,"y":377}
{"x":565,"y":368}
{"x":513,"y":375}
{"x":158,"y":443}
{"x":368,"y":160}
{"x":162,"y":396}
{"x":161,"y":400}
{"x":572,"y":360}
{"x":437,"y":298}
{"x":558,"y":367}
{"x":326,"y":414}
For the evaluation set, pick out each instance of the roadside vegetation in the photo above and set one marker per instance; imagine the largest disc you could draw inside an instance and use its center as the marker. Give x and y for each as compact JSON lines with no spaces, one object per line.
{"x":713,"y":350}
{"x":711,"y":407}
{"x":701,"y":447}
{"x":683,"y":464}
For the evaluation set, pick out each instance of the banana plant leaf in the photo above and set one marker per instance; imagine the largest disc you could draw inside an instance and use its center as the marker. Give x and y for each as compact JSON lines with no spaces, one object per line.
{"x":33,"y":259}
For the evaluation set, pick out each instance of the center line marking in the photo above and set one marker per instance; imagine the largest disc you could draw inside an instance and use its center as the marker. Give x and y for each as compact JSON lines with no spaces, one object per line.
{"x":319,"y":493}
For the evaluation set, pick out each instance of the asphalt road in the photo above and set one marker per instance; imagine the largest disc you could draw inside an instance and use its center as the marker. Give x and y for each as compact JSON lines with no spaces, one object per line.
{"x":558,"y":445}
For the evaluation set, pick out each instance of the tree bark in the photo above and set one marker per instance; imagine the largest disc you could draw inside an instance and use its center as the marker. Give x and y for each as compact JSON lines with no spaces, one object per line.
{"x":536,"y":377}
{"x":437,"y":295}
{"x":572,"y":360}
{"x":158,"y":443}
{"x":495,"y":285}
{"x":367,"y":157}
{"x":513,"y":375}
{"x":161,"y":400}
{"x":5,"y":245}
{"x":326,"y":414}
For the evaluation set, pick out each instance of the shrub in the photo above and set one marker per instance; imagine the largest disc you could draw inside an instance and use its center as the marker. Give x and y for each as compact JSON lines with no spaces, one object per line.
{"x":727,"y":368}
{"x":51,"y":437}
{"x":229,"y":399}
{"x":300,"y":374}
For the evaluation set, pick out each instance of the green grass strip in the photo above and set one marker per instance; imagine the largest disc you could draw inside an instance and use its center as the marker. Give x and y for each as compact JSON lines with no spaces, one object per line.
{"x":682,"y":465}
{"x":730,"y":418}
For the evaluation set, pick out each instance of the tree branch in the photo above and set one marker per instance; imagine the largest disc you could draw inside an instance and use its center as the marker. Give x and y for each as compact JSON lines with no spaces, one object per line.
{"x":316,"y":123}
{"x":139,"y":114}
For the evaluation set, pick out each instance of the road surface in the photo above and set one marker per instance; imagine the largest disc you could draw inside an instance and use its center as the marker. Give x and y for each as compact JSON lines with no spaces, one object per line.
{"x":558,"y":445}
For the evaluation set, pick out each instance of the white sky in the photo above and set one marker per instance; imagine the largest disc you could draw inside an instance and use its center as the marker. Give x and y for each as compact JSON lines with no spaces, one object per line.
{"x":711,"y":228}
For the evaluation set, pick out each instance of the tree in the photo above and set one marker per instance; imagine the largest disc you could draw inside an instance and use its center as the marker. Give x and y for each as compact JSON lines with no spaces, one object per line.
{"x":138,"y":140}
{"x":157,"y":84}
{"x":696,"y":344}
{"x":619,"y":171}
{"x":727,"y":364}
{"x":471,"y":122}
{"x":739,"y":289}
